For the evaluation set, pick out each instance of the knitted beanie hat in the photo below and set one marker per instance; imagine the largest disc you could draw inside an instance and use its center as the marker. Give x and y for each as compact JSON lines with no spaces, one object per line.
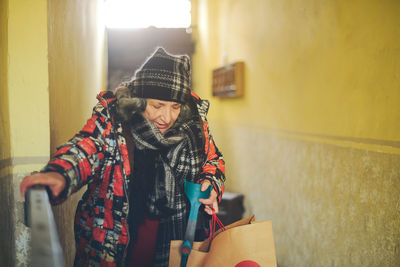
{"x":163,"y":76}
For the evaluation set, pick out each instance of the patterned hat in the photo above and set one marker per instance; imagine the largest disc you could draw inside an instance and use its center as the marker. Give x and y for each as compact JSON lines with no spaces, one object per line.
{"x":163,"y":76}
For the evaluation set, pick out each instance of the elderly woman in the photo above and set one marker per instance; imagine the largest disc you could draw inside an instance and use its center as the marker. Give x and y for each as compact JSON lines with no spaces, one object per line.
{"x":134,"y":154}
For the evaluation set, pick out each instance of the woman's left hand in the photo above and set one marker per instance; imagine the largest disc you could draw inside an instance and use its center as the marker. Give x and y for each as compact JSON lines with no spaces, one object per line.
{"x":211,"y":202}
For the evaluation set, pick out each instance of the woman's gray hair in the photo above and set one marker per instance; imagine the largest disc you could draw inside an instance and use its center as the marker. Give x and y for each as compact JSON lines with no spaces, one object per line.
{"x":129,"y":105}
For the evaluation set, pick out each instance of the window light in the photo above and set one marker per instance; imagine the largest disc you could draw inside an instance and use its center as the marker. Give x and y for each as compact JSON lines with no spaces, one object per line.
{"x":146,"y":13}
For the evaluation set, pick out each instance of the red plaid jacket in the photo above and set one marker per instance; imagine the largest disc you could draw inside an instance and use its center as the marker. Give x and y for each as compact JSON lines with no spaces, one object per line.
{"x":98,"y":156}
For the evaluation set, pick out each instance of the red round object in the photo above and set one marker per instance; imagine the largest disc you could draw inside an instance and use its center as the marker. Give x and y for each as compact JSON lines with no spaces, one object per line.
{"x":247,"y":263}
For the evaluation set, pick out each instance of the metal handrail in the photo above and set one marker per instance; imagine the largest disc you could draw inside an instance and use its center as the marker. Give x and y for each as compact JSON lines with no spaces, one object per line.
{"x":45,"y":245}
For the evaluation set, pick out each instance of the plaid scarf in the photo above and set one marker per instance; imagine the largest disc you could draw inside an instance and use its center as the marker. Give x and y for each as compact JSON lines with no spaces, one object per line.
{"x":180,"y":157}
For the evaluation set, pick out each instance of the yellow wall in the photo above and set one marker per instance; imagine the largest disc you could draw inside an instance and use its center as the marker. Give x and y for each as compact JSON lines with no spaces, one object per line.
{"x":325,"y":68}
{"x":76,"y":65}
{"x":76,"y":75}
{"x":28,"y":81}
{"x":4,"y":114}
{"x":24,"y":109}
{"x":52,"y":66}
{"x":6,"y":205}
{"x":315,"y":142}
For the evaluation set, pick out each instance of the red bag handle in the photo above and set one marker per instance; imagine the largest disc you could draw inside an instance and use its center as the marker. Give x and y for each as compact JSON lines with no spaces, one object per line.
{"x":214,"y":219}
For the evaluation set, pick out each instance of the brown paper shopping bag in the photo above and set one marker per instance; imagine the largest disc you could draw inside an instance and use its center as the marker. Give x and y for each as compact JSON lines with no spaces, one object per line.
{"x":244,"y":243}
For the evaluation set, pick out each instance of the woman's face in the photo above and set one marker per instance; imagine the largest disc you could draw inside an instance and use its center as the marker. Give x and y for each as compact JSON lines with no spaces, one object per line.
{"x":162,"y":113}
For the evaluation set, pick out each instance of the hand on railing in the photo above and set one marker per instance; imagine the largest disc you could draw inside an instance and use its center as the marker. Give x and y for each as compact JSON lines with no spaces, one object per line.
{"x":54,"y":181}
{"x":45,"y":245}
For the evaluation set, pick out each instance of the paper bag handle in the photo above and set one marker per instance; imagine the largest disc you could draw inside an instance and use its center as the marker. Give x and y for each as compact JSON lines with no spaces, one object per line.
{"x":214,"y":219}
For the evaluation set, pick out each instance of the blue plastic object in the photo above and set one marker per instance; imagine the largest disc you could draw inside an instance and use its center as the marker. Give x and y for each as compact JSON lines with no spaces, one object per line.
{"x":194,"y":193}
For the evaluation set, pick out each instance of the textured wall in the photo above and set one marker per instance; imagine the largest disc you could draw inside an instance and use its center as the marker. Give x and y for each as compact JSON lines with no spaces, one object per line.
{"x":7,"y":222}
{"x":77,"y":72}
{"x":315,"y":142}
{"x":330,"y":205}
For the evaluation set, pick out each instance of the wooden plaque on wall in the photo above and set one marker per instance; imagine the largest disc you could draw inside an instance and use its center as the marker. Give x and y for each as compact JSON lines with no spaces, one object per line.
{"x":228,"y":81}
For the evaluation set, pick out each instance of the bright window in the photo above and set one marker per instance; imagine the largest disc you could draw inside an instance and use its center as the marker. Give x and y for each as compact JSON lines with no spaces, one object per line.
{"x":146,"y":13}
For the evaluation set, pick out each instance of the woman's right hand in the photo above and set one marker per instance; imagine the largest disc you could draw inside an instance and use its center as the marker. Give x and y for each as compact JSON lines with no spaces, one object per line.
{"x":55,"y":181}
